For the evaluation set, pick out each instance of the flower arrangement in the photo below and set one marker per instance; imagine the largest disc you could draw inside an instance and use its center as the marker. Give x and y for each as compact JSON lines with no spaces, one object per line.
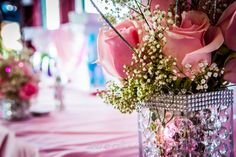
{"x":166,"y":47}
{"x":17,"y":80}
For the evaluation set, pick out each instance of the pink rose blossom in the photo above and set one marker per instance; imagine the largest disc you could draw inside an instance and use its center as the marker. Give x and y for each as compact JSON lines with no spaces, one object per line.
{"x":193,"y":41}
{"x":230,"y":72}
{"x":28,"y":90}
{"x":163,"y":4}
{"x":113,"y":53}
{"x":227,"y":23}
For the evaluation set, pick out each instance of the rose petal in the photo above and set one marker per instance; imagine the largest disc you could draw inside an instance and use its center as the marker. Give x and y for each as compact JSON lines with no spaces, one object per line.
{"x":164,"y":4}
{"x":105,"y":58}
{"x":113,"y":53}
{"x":215,"y":39}
{"x":227,"y":22}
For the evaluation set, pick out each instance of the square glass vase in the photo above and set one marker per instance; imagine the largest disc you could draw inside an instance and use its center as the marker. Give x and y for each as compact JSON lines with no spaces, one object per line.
{"x":14,"y":110}
{"x":197,"y":125}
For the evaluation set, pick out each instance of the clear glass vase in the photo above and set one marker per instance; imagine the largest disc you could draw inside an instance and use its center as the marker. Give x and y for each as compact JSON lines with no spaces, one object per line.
{"x":15,"y":110}
{"x":199,"y":125}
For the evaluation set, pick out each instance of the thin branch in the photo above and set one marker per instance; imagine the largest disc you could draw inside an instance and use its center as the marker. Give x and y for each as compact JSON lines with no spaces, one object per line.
{"x":132,"y":9}
{"x":158,"y":115}
{"x":163,"y":121}
{"x":109,"y":23}
{"x":176,"y":11}
{"x":142,"y":4}
{"x":172,"y":116}
{"x":149,"y":3}
{"x":142,"y":14}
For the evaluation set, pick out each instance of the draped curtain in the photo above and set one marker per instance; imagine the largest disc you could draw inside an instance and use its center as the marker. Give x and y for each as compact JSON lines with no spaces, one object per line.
{"x":65,"y":7}
{"x":37,"y":13}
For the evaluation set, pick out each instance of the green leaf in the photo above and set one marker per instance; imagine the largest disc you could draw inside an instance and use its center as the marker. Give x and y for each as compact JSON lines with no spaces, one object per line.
{"x":153,"y":126}
{"x":223,"y":50}
{"x":230,"y":57}
{"x":177,"y":83}
{"x":154,"y":116}
{"x":187,"y":84}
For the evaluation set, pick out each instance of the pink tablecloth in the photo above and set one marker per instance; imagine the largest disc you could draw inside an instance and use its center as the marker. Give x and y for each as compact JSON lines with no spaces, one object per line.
{"x":87,"y":128}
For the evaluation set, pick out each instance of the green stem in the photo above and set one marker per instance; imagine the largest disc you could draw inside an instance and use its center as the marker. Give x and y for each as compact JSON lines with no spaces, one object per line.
{"x":176,"y":11}
{"x":109,"y":23}
{"x":132,"y":9}
{"x":143,"y":4}
{"x":142,"y":14}
{"x":163,"y":121}
{"x":172,"y":116}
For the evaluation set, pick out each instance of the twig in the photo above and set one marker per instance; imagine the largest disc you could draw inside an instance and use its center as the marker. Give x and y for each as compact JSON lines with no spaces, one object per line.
{"x":142,"y":4}
{"x":176,"y":11}
{"x":172,"y":116}
{"x":132,"y":9}
{"x":109,"y":23}
{"x":142,"y":14}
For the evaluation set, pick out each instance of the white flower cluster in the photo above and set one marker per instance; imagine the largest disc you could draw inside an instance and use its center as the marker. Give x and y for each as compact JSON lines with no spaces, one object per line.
{"x":207,"y":72}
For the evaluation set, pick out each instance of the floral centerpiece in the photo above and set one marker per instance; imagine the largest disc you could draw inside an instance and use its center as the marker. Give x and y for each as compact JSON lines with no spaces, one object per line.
{"x":175,"y":60}
{"x":18,"y":84}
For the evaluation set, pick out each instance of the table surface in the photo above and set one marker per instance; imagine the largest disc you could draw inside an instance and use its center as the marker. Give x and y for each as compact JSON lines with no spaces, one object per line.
{"x":86,"y":128}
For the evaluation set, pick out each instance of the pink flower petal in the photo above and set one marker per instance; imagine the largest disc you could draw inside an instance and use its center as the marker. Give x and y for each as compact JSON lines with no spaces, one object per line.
{"x":227,"y":22}
{"x":113,"y":53}
{"x":215,"y":39}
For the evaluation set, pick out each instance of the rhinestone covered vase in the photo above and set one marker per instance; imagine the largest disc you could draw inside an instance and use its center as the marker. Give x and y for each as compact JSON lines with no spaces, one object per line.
{"x":14,"y":110}
{"x":197,"y":125}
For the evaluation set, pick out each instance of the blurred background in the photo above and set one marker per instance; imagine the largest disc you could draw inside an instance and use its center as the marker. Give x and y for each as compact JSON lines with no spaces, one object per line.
{"x":62,"y":35}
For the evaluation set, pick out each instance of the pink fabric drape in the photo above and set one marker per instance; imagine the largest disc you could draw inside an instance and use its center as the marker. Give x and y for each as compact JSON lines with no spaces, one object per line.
{"x":70,"y":47}
{"x":11,"y":147}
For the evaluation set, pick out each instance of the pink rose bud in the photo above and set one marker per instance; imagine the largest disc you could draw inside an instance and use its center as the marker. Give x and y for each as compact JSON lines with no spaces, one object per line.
{"x":113,"y":53}
{"x":28,"y":90}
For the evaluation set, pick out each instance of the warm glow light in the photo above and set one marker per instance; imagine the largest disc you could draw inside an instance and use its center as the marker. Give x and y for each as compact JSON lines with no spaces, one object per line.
{"x":11,"y":36}
{"x":52,"y":14}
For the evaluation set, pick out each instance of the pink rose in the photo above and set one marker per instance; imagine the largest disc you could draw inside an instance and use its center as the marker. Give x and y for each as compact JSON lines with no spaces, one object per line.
{"x":163,"y":4}
{"x":28,"y":90}
{"x":113,"y":53}
{"x":193,"y":41}
{"x":227,"y":23}
{"x":230,"y":72}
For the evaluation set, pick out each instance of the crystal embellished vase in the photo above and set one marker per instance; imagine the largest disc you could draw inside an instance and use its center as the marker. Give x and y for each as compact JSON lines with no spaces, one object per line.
{"x":15,"y":110}
{"x":198,"y":125}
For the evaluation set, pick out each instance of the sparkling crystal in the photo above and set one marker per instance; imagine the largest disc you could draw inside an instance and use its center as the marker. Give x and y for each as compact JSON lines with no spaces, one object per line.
{"x":223,"y":149}
{"x":223,"y":133}
{"x":216,"y":154}
{"x":200,"y":124}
